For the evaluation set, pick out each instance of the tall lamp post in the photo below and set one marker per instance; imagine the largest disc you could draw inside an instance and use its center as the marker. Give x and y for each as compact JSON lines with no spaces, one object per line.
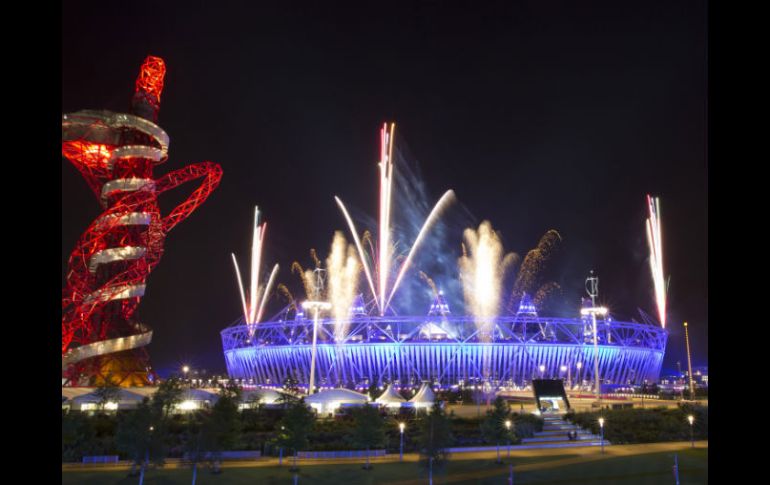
{"x":508,"y":427}
{"x":562,"y":369}
{"x":185,"y":370}
{"x":401,"y":427}
{"x":578,"y":365}
{"x":592,"y":288}
{"x":691,"y":419}
{"x":601,"y":427}
{"x":689,"y":361}
{"x":316,"y":306}
{"x":593,"y":311}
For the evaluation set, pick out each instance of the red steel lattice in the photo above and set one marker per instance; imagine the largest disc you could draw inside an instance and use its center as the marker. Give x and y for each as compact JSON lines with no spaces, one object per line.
{"x":108,"y":269}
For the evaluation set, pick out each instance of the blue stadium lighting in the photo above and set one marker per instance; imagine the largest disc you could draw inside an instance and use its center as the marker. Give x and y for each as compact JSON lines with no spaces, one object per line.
{"x":443,"y":349}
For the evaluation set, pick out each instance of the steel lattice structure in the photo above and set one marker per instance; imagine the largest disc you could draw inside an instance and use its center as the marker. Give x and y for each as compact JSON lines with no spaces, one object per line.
{"x":444,"y":350}
{"x":108,"y":269}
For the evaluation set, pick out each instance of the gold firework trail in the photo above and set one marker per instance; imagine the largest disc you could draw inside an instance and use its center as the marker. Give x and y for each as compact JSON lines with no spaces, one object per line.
{"x":430,"y":283}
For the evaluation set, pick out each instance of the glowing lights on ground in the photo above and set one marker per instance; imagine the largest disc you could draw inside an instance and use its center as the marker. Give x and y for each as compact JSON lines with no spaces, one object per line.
{"x":254,"y":306}
{"x":655,"y":243}
{"x":386,"y":251}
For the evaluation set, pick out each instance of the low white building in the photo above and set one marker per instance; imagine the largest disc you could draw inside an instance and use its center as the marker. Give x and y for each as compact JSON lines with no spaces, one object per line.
{"x":195,"y":399}
{"x":329,"y":401}
{"x":251,"y":398}
{"x":91,"y":401}
{"x":424,"y":398}
{"x":390,"y":398}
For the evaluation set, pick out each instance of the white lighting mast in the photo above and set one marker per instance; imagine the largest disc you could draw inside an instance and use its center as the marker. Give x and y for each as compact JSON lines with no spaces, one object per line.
{"x":592,"y":288}
{"x":316,"y":305}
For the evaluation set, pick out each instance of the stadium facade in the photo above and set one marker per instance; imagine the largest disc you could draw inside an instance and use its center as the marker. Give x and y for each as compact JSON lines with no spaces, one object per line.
{"x":445,"y":350}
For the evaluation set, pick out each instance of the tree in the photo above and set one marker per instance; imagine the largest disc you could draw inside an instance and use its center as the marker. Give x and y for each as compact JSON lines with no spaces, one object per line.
{"x":168,"y":395}
{"x":290,"y":392}
{"x":434,"y":437}
{"x":221,"y":427}
{"x":493,"y":426}
{"x":194,"y":444}
{"x":374,"y":391}
{"x":107,"y":391}
{"x":295,"y":428}
{"x":77,"y":436}
{"x":369,"y":429}
{"x":140,"y":436}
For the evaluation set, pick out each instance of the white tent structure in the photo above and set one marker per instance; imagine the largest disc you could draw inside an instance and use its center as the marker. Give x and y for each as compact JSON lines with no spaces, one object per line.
{"x":330,"y":400}
{"x":424,"y":397}
{"x":390,"y":398}
{"x":70,"y":393}
{"x":194,"y":399}
{"x":266,"y":396}
{"x":89,"y":401}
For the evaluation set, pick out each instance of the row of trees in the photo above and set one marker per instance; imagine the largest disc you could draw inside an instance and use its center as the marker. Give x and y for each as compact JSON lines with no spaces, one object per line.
{"x":626,"y":426}
{"x":144,"y":435}
{"x":433,"y":436}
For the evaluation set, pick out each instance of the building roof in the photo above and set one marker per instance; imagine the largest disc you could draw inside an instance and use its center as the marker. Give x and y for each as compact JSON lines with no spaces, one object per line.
{"x":124,"y":395}
{"x":70,"y":393}
{"x":337,"y":395}
{"x":200,"y":395}
{"x":264,"y":396}
{"x":390,"y":396}
{"x":424,"y":396}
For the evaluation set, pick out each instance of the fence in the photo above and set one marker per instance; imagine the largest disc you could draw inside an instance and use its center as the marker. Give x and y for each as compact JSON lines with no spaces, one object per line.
{"x":229,"y":455}
{"x":101,"y":459}
{"x":339,"y":454}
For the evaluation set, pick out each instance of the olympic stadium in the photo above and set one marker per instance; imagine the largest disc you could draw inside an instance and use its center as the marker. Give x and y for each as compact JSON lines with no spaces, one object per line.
{"x":367,"y":343}
{"x":445,"y":350}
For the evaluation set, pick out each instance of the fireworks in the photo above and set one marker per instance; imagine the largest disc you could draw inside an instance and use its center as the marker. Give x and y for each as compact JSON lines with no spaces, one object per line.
{"x":427,"y":279}
{"x":386,"y":250}
{"x":655,"y":242}
{"x":343,"y":268}
{"x":254,"y":306}
{"x":531,"y":268}
{"x":482,"y":268}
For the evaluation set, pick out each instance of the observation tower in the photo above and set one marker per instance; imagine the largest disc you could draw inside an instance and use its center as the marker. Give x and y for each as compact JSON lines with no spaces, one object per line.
{"x":107,"y":271}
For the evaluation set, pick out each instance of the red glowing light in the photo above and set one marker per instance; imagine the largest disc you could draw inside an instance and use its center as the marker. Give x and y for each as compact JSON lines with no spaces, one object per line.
{"x":109,"y":267}
{"x":151,"y":76}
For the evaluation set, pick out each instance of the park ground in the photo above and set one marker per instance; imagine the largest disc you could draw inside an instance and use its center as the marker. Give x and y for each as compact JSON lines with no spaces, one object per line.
{"x":623,"y":464}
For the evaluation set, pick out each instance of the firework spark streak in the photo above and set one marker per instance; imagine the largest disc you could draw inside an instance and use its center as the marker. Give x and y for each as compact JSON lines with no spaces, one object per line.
{"x":254,"y":306}
{"x":655,"y":242}
{"x":437,"y":209}
{"x":386,"y":250}
{"x":364,"y":262}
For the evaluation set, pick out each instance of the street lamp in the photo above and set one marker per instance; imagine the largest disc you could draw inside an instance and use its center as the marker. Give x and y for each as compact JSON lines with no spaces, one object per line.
{"x":579,"y":365}
{"x":401,"y":427}
{"x":601,"y":426}
{"x":542,"y":370}
{"x":316,"y":306}
{"x":185,"y":370}
{"x":691,"y":419}
{"x":593,"y":311}
{"x":508,"y":427}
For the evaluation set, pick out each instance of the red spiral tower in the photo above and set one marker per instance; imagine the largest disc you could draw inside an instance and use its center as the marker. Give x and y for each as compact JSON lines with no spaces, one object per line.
{"x":108,"y":269}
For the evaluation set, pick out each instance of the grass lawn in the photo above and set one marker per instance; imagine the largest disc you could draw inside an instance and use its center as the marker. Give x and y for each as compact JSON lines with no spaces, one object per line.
{"x":652,"y":468}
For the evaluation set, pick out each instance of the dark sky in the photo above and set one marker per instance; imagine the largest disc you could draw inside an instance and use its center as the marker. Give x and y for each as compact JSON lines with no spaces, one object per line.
{"x":538,"y":114}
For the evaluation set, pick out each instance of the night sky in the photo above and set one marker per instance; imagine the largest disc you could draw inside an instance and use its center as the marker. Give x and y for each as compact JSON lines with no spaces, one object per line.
{"x":539,"y":115}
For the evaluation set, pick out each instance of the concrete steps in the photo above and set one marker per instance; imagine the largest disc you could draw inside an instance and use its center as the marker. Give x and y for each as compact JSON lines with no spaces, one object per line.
{"x":554,"y":435}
